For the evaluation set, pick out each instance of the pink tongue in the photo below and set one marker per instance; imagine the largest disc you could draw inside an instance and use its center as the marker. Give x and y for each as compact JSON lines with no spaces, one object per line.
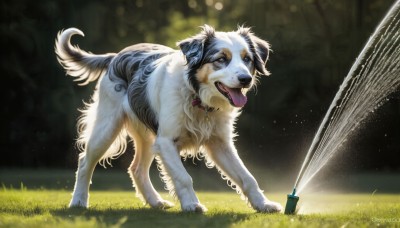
{"x":239,"y":100}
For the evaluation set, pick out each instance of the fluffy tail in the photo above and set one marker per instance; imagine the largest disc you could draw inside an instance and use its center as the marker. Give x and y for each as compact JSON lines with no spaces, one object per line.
{"x":82,"y":65}
{"x":87,"y":67}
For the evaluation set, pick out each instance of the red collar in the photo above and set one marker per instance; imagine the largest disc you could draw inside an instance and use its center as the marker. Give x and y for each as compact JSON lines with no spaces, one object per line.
{"x":196,"y":102}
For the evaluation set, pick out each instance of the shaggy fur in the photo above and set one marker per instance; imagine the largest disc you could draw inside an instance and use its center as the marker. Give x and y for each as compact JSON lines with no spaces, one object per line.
{"x":173,"y":104}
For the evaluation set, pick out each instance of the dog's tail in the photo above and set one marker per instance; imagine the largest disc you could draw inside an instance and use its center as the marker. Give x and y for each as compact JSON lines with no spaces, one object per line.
{"x":84,"y":66}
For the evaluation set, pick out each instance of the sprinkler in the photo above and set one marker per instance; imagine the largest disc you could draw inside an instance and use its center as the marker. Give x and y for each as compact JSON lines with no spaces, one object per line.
{"x":291,"y":203}
{"x":381,"y":77}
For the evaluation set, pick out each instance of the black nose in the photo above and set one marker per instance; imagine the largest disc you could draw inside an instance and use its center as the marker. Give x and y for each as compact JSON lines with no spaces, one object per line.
{"x":245,"y":79}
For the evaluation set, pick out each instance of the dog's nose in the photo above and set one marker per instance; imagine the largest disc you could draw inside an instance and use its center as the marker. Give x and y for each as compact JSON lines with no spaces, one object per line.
{"x":245,"y":79}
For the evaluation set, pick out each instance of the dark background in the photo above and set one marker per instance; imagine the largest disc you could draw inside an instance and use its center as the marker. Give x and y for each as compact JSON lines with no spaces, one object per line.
{"x":314,"y":45}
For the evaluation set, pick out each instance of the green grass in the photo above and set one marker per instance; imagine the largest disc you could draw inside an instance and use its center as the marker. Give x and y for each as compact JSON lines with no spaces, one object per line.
{"x":48,"y":208}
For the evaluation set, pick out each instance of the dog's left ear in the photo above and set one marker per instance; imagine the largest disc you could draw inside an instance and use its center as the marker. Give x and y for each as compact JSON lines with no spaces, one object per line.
{"x":259,"y":48}
{"x":193,"y":47}
{"x":193,"y":50}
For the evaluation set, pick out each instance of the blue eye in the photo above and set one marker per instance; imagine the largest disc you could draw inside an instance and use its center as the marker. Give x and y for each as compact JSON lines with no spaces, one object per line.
{"x":221,"y":60}
{"x":247,"y":59}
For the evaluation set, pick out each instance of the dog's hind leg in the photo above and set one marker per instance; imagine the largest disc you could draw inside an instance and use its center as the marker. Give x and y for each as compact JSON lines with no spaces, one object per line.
{"x":108,"y":119}
{"x":139,"y":168}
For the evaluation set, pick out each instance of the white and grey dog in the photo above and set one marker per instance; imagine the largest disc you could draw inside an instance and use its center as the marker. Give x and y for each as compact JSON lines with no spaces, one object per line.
{"x":173,"y":104}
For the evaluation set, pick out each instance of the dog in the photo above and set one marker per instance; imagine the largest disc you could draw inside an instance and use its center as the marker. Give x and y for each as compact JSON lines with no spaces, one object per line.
{"x":173,"y":104}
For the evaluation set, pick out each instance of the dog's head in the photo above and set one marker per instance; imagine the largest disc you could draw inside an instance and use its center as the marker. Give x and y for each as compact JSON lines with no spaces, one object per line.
{"x":223,"y":66}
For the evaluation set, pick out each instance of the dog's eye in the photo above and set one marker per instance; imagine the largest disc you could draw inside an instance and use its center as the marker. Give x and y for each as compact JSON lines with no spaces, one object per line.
{"x":246,"y":59}
{"x":221,"y":60}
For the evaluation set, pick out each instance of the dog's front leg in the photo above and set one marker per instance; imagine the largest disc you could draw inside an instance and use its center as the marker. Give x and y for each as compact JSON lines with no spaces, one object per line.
{"x":177,"y":178}
{"x":225,"y":156}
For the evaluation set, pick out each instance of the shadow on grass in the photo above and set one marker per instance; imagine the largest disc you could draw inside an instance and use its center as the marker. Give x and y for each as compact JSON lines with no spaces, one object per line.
{"x":147,"y":217}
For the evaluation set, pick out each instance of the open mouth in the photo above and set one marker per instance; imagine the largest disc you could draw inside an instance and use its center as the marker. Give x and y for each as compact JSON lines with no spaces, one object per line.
{"x":234,"y":95}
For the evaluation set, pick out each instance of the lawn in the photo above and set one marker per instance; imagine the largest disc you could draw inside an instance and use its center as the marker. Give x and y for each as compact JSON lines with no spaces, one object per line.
{"x":39,"y":198}
{"x":47,"y":208}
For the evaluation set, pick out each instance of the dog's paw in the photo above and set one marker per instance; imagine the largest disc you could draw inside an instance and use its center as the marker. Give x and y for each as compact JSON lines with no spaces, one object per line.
{"x":269,"y":207}
{"x":79,"y":200}
{"x":163,"y":204}
{"x":194,"y":207}
{"x":78,"y":204}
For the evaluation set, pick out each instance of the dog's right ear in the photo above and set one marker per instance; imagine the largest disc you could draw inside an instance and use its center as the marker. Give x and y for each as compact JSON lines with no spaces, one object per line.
{"x":193,"y":48}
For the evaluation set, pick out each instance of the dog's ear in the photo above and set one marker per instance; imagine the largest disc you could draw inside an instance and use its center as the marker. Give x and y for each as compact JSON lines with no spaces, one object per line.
{"x":193,"y":48}
{"x":259,"y":48}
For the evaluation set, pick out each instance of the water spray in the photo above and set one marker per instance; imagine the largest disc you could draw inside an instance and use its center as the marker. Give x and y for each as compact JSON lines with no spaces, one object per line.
{"x":378,"y":64}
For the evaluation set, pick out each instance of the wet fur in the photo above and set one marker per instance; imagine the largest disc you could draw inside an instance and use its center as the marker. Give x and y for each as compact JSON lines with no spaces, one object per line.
{"x":146,"y":91}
